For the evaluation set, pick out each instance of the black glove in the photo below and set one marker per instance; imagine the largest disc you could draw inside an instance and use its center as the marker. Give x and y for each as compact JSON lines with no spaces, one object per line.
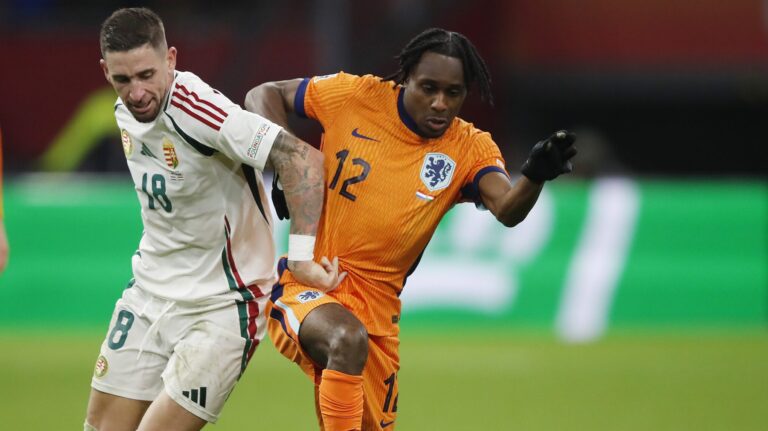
{"x":550,"y":158}
{"x":278,"y":199}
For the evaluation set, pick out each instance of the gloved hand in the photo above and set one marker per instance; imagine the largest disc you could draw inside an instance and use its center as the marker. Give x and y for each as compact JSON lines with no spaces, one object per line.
{"x":550,"y":158}
{"x":278,"y":199}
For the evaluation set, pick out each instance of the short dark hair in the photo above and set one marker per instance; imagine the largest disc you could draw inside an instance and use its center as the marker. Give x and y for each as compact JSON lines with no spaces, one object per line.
{"x":131,"y":28}
{"x":447,"y":43}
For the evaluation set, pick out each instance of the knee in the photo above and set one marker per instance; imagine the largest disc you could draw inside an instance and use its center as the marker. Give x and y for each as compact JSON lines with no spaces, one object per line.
{"x":334,"y":338}
{"x":348,"y":348}
{"x":349,"y":339}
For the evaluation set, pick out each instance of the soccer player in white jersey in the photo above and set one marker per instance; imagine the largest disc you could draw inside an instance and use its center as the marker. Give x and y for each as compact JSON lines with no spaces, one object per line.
{"x":188,"y":322}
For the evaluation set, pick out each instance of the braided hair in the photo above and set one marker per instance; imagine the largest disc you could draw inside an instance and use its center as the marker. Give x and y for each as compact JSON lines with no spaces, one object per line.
{"x":447,"y":43}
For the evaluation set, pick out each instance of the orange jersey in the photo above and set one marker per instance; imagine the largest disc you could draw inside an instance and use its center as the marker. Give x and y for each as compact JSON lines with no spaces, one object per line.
{"x":388,"y":188}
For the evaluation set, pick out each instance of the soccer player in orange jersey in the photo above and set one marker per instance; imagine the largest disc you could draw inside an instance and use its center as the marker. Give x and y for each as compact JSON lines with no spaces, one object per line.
{"x":397,"y":158}
{"x":3,"y":238}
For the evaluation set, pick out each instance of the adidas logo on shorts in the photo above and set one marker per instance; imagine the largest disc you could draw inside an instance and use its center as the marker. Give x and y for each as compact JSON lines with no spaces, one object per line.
{"x":196,"y":395}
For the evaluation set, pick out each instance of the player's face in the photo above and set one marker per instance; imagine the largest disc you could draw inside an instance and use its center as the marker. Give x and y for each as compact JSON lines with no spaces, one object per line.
{"x":141,"y":78}
{"x":434,"y":93}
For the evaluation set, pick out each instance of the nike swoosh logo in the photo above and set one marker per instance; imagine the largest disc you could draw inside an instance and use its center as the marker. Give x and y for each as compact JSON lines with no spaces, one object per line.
{"x":357,"y":134}
{"x":385,"y":424}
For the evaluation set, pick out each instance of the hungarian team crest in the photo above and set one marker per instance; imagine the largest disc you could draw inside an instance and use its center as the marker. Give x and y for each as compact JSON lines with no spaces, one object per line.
{"x":170,"y":154}
{"x":127,"y":144}
{"x":437,"y":171}
{"x":102,"y":366}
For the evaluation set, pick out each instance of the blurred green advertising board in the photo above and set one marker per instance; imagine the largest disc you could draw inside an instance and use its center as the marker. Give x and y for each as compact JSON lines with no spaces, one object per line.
{"x":592,"y":256}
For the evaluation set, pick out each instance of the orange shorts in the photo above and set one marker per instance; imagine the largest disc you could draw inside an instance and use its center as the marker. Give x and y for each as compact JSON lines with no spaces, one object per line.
{"x":287,"y":308}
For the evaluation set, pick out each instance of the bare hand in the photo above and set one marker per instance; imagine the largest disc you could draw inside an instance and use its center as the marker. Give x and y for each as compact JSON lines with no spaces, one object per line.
{"x":324,"y":275}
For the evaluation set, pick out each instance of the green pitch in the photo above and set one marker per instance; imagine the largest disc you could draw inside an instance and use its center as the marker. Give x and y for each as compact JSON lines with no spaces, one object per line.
{"x":452,"y":381}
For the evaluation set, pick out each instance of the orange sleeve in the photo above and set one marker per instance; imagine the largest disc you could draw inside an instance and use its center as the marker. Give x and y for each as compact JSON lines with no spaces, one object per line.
{"x":321,"y":97}
{"x":487,"y":158}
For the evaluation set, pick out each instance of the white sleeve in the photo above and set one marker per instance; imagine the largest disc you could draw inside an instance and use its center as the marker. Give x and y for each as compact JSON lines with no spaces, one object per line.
{"x":209,"y":121}
{"x":248,"y":138}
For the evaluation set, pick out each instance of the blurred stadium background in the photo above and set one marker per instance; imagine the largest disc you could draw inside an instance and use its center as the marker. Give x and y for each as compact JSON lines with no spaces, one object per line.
{"x":635,"y":297}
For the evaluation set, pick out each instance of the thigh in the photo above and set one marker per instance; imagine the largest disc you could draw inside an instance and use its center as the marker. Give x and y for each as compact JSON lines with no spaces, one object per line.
{"x":166,"y":415}
{"x":287,"y":308}
{"x":380,"y":383}
{"x":112,"y":412}
{"x":211,"y":353}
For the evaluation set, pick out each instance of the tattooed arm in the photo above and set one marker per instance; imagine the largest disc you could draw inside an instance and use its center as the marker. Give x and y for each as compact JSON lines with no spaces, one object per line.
{"x":301,"y":173}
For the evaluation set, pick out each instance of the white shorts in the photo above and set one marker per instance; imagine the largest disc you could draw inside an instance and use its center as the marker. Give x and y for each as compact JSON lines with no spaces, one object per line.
{"x":198,"y":352}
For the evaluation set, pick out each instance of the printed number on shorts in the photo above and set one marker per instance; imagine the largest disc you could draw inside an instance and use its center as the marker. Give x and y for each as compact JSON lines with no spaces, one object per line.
{"x":342,"y":156}
{"x":120,"y":331}
{"x":390,"y":382}
{"x":157,"y":185}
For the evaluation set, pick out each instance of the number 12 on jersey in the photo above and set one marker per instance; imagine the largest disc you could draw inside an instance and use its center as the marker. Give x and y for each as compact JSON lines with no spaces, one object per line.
{"x":342,"y":156}
{"x":157,"y":184}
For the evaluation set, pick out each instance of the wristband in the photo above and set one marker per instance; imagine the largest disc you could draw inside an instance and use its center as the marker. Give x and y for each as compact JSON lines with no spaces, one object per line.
{"x":301,"y":247}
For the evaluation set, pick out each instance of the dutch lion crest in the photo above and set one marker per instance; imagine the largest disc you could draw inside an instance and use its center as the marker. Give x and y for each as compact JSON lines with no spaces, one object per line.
{"x":437,"y":171}
{"x":308,"y":295}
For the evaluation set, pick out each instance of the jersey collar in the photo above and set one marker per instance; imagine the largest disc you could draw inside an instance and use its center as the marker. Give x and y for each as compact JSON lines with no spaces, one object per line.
{"x":167,"y":101}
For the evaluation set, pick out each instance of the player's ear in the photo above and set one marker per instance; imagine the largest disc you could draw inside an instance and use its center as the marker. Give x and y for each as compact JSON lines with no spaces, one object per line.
{"x":171,"y":57}
{"x":105,"y":69}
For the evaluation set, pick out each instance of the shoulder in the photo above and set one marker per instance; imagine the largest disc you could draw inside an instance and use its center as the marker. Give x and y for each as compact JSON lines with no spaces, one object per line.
{"x":370,"y":90}
{"x":350,"y":80}
{"x":187,"y":83}
{"x":372,"y":81}
{"x":193,"y":102}
{"x":470,"y":135}
{"x":188,"y":78}
{"x":375,"y":83}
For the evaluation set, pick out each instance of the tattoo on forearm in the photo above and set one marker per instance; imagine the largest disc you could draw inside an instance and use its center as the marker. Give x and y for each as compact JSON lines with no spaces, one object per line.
{"x":304,"y":152}
{"x":301,"y":174}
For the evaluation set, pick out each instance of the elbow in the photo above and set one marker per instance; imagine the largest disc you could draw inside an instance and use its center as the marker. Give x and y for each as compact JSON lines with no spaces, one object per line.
{"x":512,"y":216}
{"x":256,"y":93}
{"x":252,"y":96}
{"x":510,"y":220}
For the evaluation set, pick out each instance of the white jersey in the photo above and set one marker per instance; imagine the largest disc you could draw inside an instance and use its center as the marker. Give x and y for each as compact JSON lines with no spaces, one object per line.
{"x":197,"y":172}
